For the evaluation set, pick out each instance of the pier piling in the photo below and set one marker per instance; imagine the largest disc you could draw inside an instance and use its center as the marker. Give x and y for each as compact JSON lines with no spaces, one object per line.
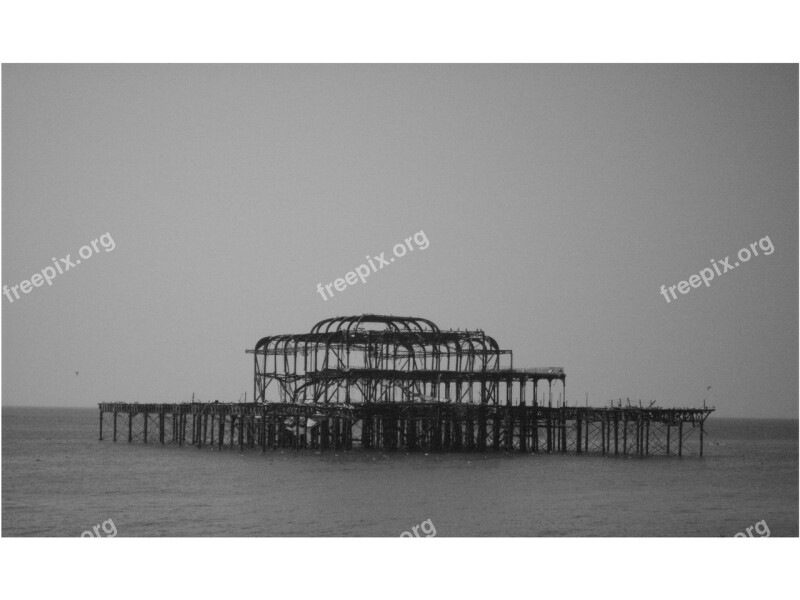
{"x":397,"y":426}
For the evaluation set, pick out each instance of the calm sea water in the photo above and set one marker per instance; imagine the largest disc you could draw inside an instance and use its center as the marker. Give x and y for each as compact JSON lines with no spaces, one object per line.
{"x":59,"y":480}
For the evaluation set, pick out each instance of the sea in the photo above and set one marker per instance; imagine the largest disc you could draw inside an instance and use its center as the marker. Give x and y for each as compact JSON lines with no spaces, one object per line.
{"x":60,"y":480}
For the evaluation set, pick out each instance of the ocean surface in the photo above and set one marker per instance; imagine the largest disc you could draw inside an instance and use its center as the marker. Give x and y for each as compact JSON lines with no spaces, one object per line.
{"x":59,"y":480}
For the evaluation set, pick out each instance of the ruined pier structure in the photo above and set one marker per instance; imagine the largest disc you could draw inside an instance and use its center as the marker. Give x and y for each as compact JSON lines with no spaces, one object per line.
{"x":400,"y":383}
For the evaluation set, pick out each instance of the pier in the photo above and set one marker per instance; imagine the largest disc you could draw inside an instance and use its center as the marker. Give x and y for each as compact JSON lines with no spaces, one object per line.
{"x":409,"y":427}
{"x":402,"y":384}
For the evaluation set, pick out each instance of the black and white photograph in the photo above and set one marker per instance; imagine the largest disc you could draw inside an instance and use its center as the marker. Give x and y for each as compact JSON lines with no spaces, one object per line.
{"x":271,"y":300}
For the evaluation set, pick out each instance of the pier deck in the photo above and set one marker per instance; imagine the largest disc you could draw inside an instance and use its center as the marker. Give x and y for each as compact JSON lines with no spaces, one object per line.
{"x":622,"y":431}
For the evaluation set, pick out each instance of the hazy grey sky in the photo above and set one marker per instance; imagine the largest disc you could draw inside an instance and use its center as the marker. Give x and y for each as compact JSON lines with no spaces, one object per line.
{"x":556,"y":199}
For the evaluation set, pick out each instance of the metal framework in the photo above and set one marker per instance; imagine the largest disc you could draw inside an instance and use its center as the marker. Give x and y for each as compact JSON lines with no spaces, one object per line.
{"x":401,"y":383}
{"x":377,"y":358}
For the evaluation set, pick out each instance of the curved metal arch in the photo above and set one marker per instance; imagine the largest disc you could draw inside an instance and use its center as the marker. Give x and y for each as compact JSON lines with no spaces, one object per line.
{"x":439,"y":356}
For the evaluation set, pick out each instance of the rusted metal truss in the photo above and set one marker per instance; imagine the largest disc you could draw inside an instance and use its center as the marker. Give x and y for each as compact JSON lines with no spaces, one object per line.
{"x":378,"y":358}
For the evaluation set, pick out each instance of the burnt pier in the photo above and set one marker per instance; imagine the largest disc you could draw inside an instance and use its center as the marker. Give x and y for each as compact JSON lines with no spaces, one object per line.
{"x":402,"y":384}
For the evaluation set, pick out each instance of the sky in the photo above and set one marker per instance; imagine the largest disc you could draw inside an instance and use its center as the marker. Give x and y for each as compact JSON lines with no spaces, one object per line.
{"x":556,"y":201}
